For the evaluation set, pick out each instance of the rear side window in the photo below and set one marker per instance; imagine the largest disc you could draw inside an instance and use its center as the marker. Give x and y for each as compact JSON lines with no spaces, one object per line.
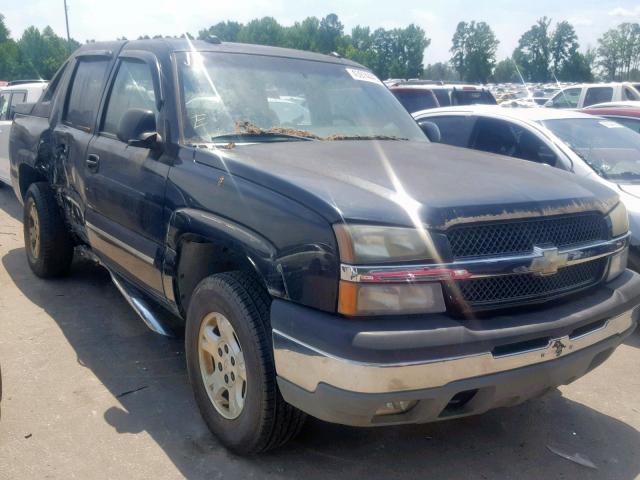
{"x":4,"y":105}
{"x":416,"y":100}
{"x":84,"y":95}
{"x":631,"y":94}
{"x":132,"y":88}
{"x":454,"y":130}
{"x":443,"y":97}
{"x":598,"y":95}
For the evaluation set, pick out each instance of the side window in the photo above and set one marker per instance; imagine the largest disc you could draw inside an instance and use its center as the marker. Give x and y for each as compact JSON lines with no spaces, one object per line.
{"x":504,"y":138}
{"x":18,"y":98}
{"x":530,"y":147}
{"x":132,"y":88}
{"x":494,"y":136}
{"x":631,"y":94}
{"x":597,"y":95}
{"x":454,"y":130}
{"x":84,"y":95}
{"x":567,"y":98}
{"x":4,"y":105}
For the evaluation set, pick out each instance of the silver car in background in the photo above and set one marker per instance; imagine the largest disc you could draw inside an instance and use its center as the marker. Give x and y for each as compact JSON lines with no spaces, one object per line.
{"x":590,"y":146}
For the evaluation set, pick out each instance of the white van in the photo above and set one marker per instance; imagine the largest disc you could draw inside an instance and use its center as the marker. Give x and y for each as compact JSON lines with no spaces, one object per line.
{"x":10,"y":96}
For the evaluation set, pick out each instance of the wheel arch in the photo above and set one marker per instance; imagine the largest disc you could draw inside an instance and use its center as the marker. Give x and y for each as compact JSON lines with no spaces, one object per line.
{"x":203,"y":244}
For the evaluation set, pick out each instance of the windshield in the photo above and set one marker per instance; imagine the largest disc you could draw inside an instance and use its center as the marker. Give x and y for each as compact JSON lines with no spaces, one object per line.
{"x":611,"y":149}
{"x":233,"y":96}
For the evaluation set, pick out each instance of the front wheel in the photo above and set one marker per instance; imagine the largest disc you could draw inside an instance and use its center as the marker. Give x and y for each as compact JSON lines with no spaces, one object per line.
{"x":231,"y":367}
{"x":47,"y":242}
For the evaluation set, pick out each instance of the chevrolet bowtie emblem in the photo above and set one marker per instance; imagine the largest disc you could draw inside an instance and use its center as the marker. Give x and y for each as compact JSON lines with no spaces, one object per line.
{"x":548,"y":261}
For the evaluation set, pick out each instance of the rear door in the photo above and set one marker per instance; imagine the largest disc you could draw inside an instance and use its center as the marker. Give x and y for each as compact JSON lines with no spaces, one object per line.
{"x":72,"y":134}
{"x":125,"y":184}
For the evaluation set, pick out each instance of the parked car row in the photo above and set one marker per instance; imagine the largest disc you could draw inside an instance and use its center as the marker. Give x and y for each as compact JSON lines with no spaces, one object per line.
{"x":324,"y":256}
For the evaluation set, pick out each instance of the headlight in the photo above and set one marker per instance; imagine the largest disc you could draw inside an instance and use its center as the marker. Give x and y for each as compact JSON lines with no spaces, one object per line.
{"x":371,"y":244}
{"x":619,"y":219}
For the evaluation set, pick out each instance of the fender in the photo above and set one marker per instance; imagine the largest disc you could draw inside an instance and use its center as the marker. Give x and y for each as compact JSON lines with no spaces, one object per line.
{"x":258,"y":251}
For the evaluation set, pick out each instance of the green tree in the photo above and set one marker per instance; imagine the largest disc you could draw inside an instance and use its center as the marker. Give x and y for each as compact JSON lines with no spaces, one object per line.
{"x":5,"y":34}
{"x":441,"y":71}
{"x":225,"y":31}
{"x":474,"y":47}
{"x":330,"y":31}
{"x":506,"y":72}
{"x":304,"y":35}
{"x":533,"y":54}
{"x":564,"y":47}
{"x":619,"y":51}
{"x":263,"y":31}
{"x":577,"y":68}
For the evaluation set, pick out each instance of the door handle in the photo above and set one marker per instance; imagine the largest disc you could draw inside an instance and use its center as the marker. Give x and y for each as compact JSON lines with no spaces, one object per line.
{"x":93,"y":162}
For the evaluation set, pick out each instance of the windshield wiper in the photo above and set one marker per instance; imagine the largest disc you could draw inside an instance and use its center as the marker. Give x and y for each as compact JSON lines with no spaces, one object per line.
{"x":253,"y":137}
{"x":247,"y":129}
{"x":363,"y":137}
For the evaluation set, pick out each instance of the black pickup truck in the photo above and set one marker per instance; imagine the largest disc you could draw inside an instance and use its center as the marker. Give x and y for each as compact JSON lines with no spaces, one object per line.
{"x":325,"y":257}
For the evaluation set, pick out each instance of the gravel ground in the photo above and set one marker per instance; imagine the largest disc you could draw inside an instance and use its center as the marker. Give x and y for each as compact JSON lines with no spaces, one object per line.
{"x":89,"y":392}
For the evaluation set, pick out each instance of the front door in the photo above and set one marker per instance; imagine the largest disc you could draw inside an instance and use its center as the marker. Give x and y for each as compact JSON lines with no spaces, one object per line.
{"x":125,"y":184}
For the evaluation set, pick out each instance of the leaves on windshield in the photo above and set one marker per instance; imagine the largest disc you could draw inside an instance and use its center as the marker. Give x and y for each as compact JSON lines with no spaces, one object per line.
{"x":248,"y":128}
{"x":245,"y":127}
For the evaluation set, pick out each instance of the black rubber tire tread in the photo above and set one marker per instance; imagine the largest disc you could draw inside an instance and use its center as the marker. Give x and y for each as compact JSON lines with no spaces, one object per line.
{"x":56,"y":245}
{"x":280,"y":422}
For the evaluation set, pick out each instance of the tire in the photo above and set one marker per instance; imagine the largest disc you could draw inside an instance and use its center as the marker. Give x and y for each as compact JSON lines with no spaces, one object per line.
{"x":47,"y":242}
{"x":265,"y":421}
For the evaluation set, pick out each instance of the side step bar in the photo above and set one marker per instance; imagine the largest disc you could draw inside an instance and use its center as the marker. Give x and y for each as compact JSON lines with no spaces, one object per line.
{"x":154,"y":316}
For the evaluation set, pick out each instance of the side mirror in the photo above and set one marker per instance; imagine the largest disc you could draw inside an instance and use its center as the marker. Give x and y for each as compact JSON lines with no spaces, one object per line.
{"x":432,"y":131}
{"x":138,"y":128}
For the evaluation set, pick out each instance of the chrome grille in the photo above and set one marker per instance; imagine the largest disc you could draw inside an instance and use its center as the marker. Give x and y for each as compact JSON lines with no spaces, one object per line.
{"x":510,"y":289}
{"x":510,"y":238}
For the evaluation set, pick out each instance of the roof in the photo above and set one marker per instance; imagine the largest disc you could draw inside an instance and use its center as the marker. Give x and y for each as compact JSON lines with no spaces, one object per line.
{"x":25,"y":86}
{"x":525,"y":114}
{"x":168,"y":45}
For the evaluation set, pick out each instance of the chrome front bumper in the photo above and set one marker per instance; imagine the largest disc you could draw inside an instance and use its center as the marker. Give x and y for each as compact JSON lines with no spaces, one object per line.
{"x":307,"y":366}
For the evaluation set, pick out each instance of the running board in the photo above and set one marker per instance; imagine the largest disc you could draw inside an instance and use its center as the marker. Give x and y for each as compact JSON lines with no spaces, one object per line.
{"x":154,"y":316}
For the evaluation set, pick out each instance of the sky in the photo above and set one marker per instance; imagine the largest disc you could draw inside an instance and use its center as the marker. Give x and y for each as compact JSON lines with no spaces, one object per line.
{"x":109,"y":19}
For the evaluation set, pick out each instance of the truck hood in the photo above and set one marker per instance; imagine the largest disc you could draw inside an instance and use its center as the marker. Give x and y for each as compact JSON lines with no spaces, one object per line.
{"x":395,"y":182}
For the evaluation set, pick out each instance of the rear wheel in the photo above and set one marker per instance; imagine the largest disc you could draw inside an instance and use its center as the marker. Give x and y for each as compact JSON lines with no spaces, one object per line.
{"x":231,"y":367}
{"x":48,"y":245}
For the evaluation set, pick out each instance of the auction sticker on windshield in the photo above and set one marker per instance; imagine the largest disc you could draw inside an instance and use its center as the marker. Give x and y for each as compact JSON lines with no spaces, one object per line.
{"x":363,"y":75}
